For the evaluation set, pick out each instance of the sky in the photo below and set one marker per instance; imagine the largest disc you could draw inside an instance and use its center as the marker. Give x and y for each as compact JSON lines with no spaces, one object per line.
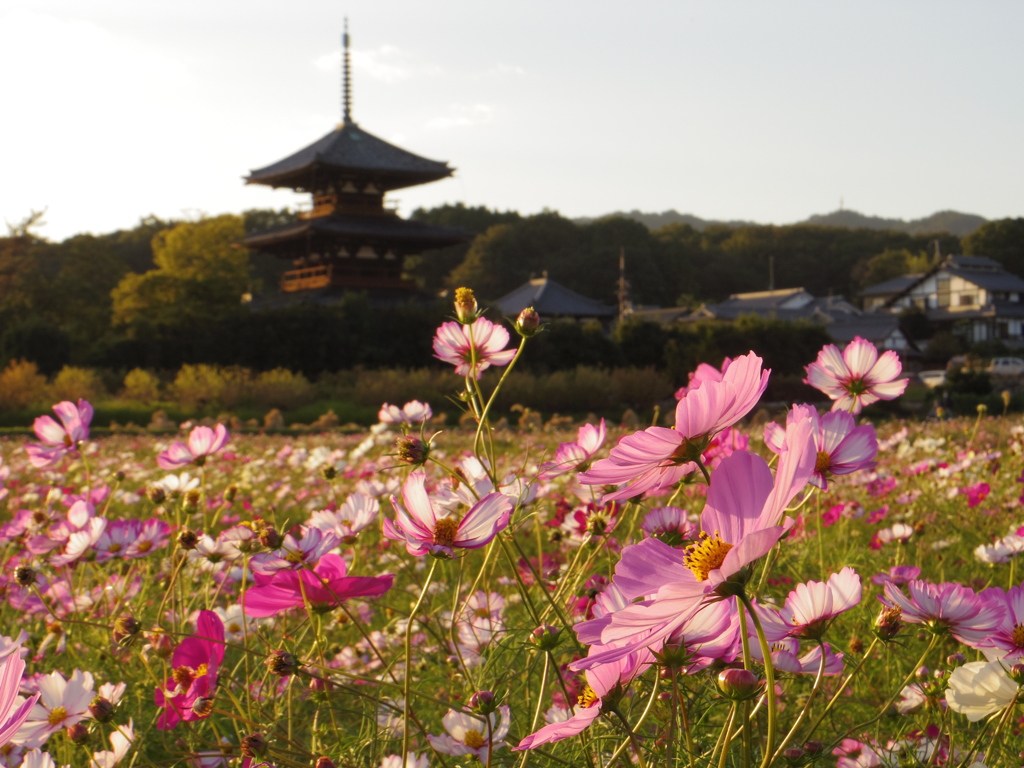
{"x":115,"y":110}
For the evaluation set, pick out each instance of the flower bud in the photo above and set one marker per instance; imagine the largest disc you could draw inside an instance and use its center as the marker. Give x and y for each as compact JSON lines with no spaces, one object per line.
{"x":955,"y":659}
{"x":889,"y":623}
{"x":160,"y":643}
{"x":465,"y":305}
{"x":324,"y":762}
{"x":77,"y":733}
{"x":25,"y":576}
{"x":328,"y":472}
{"x":101,"y":709}
{"x":738,"y":684}
{"x":856,"y":646}
{"x":230,"y":492}
{"x":412,"y":450}
{"x":528,"y":322}
{"x":125,"y":630}
{"x":482,"y":702}
{"x":202,"y":707}
{"x":1017,"y":674}
{"x":1006,"y":396}
{"x":982,"y":409}
{"x":187,"y":539}
{"x":546,"y":637}
{"x":813,"y":748}
{"x":921,"y":673}
{"x":794,"y":755}
{"x":282,"y":664}
{"x":254,"y":745}
{"x":193,"y":499}
{"x":157,"y":494}
{"x":119,"y":476}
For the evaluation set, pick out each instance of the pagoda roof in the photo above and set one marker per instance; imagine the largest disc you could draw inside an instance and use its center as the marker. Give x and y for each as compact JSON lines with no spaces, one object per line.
{"x":383,"y":228}
{"x":550,"y":298}
{"x":350,"y":151}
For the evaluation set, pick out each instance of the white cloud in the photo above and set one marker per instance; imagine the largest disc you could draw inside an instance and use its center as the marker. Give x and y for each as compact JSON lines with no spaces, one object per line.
{"x":463,"y":116}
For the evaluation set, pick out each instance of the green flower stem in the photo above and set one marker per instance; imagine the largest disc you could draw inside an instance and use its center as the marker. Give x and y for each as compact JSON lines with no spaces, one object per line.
{"x":904,"y":684}
{"x":807,"y":706}
{"x":540,"y":703}
{"x":727,"y":732}
{"x":769,"y":677}
{"x":407,"y":688}
{"x":637,"y":750}
{"x":685,"y":717}
{"x":643,"y":716}
{"x":844,"y":685}
{"x":494,"y":394}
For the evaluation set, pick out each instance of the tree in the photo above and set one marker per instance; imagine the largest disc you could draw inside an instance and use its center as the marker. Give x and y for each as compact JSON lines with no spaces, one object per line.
{"x":1002,"y":240}
{"x":201,"y":273}
{"x":889,"y":264}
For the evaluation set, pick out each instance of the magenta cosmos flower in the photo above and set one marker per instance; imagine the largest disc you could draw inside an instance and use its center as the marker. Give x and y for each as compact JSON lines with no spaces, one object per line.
{"x":857,"y":377}
{"x":947,"y":607}
{"x":428,"y":529}
{"x":842,"y":446}
{"x":194,"y":667}
{"x":59,"y":439}
{"x":13,"y":714}
{"x":472,"y":348}
{"x":1006,"y":641}
{"x":657,"y":458}
{"x":740,"y":523}
{"x":325,"y":587}
{"x":202,"y":442}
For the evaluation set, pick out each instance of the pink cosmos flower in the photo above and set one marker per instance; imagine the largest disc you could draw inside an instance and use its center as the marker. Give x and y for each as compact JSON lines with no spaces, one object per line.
{"x":856,"y":754}
{"x":975,"y":494}
{"x":412,"y":412}
{"x":658,"y":457}
{"x":703,"y":373}
{"x":785,"y":657}
{"x":811,"y":607}
{"x":12,"y":713}
{"x":842,"y":446}
{"x":670,"y":524}
{"x":358,"y":512}
{"x":1006,"y":641}
{"x":467,"y":734}
{"x":194,"y":667}
{"x":573,"y":457}
{"x":293,"y":555}
{"x":857,"y":377}
{"x":325,"y":587}
{"x":898,"y":574}
{"x":472,"y":348}
{"x":59,"y":439}
{"x":740,"y":523}
{"x":424,"y":530}
{"x":947,"y":607}
{"x":202,"y":442}
{"x":61,"y":702}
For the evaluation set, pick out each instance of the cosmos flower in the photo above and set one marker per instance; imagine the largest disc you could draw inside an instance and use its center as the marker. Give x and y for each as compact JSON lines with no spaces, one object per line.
{"x":358,"y":512}
{"x":811,"y":607}
{"x":425,"y":531}
{"x":194,"y":667}
{"x":573,"y":457}
{"x":293,"y":555}
{"x":13,"y":710}
{"x":979,"y":689}
{"x":202,"y":442}
{"x":467,"y":734}
{"x":412,"y":760}
{"x":121,"y":739}
{"x":62,"y":702}
{"x":657,"y":458}
{"x":472,"y":348}
{"x":1006,"y":640}
{"x":324,"y":587}
{"x":946,"y":607}
{"x":59,"y":439}
{"x":410,"y":413}
{"x":842,"y":446}
{"x":858,"y":376}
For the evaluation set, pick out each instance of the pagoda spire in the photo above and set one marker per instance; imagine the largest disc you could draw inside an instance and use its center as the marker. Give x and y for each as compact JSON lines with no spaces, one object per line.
{"x":346,"y":78}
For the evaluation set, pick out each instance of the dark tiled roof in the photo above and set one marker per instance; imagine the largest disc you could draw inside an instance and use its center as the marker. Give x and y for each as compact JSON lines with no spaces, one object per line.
{"x":997,"y":310}
{"x":973,"y":262}
{"x":896,"y":285}
{"x":999,"y":280}
{"x":551,"y":299}
{"x":350,"y":150}
{"x":870,"y":327}
{"x":371,"y":228}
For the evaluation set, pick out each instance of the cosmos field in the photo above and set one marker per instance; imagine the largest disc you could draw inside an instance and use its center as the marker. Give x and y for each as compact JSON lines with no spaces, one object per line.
{"x":589,"y":597}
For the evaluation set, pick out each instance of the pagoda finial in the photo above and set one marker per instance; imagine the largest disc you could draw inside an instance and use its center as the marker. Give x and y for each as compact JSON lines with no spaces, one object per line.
{"x":346,"y":78}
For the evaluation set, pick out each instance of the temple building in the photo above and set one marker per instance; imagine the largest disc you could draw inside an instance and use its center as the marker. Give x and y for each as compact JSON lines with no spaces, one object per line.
{"x":349,"y":240}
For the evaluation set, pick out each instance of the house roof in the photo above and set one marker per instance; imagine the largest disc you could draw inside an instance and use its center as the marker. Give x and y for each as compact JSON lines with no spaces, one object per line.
{"x":990,"y":280}
{"x":982,"y":271}
{"x":350,"y":151}
{"x":870,"y":327}
{"x":771,"y":304}
{"x":895,"y":285}
{"x":550,"y":298}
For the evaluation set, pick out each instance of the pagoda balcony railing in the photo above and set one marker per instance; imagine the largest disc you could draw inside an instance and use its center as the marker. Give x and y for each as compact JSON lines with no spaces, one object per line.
{"x":306,"y":278}
{"x":325,"y":275}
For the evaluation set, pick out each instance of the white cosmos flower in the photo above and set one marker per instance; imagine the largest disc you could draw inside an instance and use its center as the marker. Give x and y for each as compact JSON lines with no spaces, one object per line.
{"x":980,"y":688}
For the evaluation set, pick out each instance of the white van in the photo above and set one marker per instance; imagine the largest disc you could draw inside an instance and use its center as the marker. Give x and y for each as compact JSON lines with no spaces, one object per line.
{"x":1006,"y":366}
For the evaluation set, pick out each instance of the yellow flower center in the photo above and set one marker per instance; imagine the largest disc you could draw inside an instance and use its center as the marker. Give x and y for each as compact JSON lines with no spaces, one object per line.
{"x":346,"y":523}
{"x":1018,"y":635}
{"x":295,"y":557}
{"x":183,"y":676}
{"x":706,"y":555}
{"x":588,"y":698}
{"x":444,"y":531}
{"x":145,"y":546}
{"x":474,"y":739}
{"x":823,"y":462}
{"x":57,"y":716}
{"x":115,"y":547}
{"x":482,"y":613}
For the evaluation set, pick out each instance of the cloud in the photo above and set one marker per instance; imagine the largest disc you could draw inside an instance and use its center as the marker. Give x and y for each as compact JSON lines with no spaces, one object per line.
{"x":389,"y":63}
{"x":463,"y":116}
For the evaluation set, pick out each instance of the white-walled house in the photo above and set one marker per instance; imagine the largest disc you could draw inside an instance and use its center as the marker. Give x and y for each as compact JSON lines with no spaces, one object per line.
{"x":971,"y":294}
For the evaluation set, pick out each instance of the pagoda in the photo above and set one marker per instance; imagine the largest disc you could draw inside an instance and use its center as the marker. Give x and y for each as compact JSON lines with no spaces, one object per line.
{"x":348,"y":240}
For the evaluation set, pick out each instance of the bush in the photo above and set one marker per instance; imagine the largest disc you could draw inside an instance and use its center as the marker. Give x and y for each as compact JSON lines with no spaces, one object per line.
{"x":198,"y":386}
{"x":141,"y":385}
{"x":280,"y":388}
{"x":77,"y":383}
{"x":21,"y":386}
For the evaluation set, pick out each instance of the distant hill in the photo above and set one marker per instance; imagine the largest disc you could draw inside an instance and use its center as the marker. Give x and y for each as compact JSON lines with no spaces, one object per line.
{"x":954,"y":222}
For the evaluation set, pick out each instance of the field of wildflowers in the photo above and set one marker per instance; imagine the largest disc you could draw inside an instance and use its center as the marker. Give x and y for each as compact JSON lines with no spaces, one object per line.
{"x":800,"y":592}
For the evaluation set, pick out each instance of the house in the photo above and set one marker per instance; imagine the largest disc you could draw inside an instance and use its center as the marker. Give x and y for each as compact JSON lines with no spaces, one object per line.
{"x":552,"y":300}
{"x":972,"y":295}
